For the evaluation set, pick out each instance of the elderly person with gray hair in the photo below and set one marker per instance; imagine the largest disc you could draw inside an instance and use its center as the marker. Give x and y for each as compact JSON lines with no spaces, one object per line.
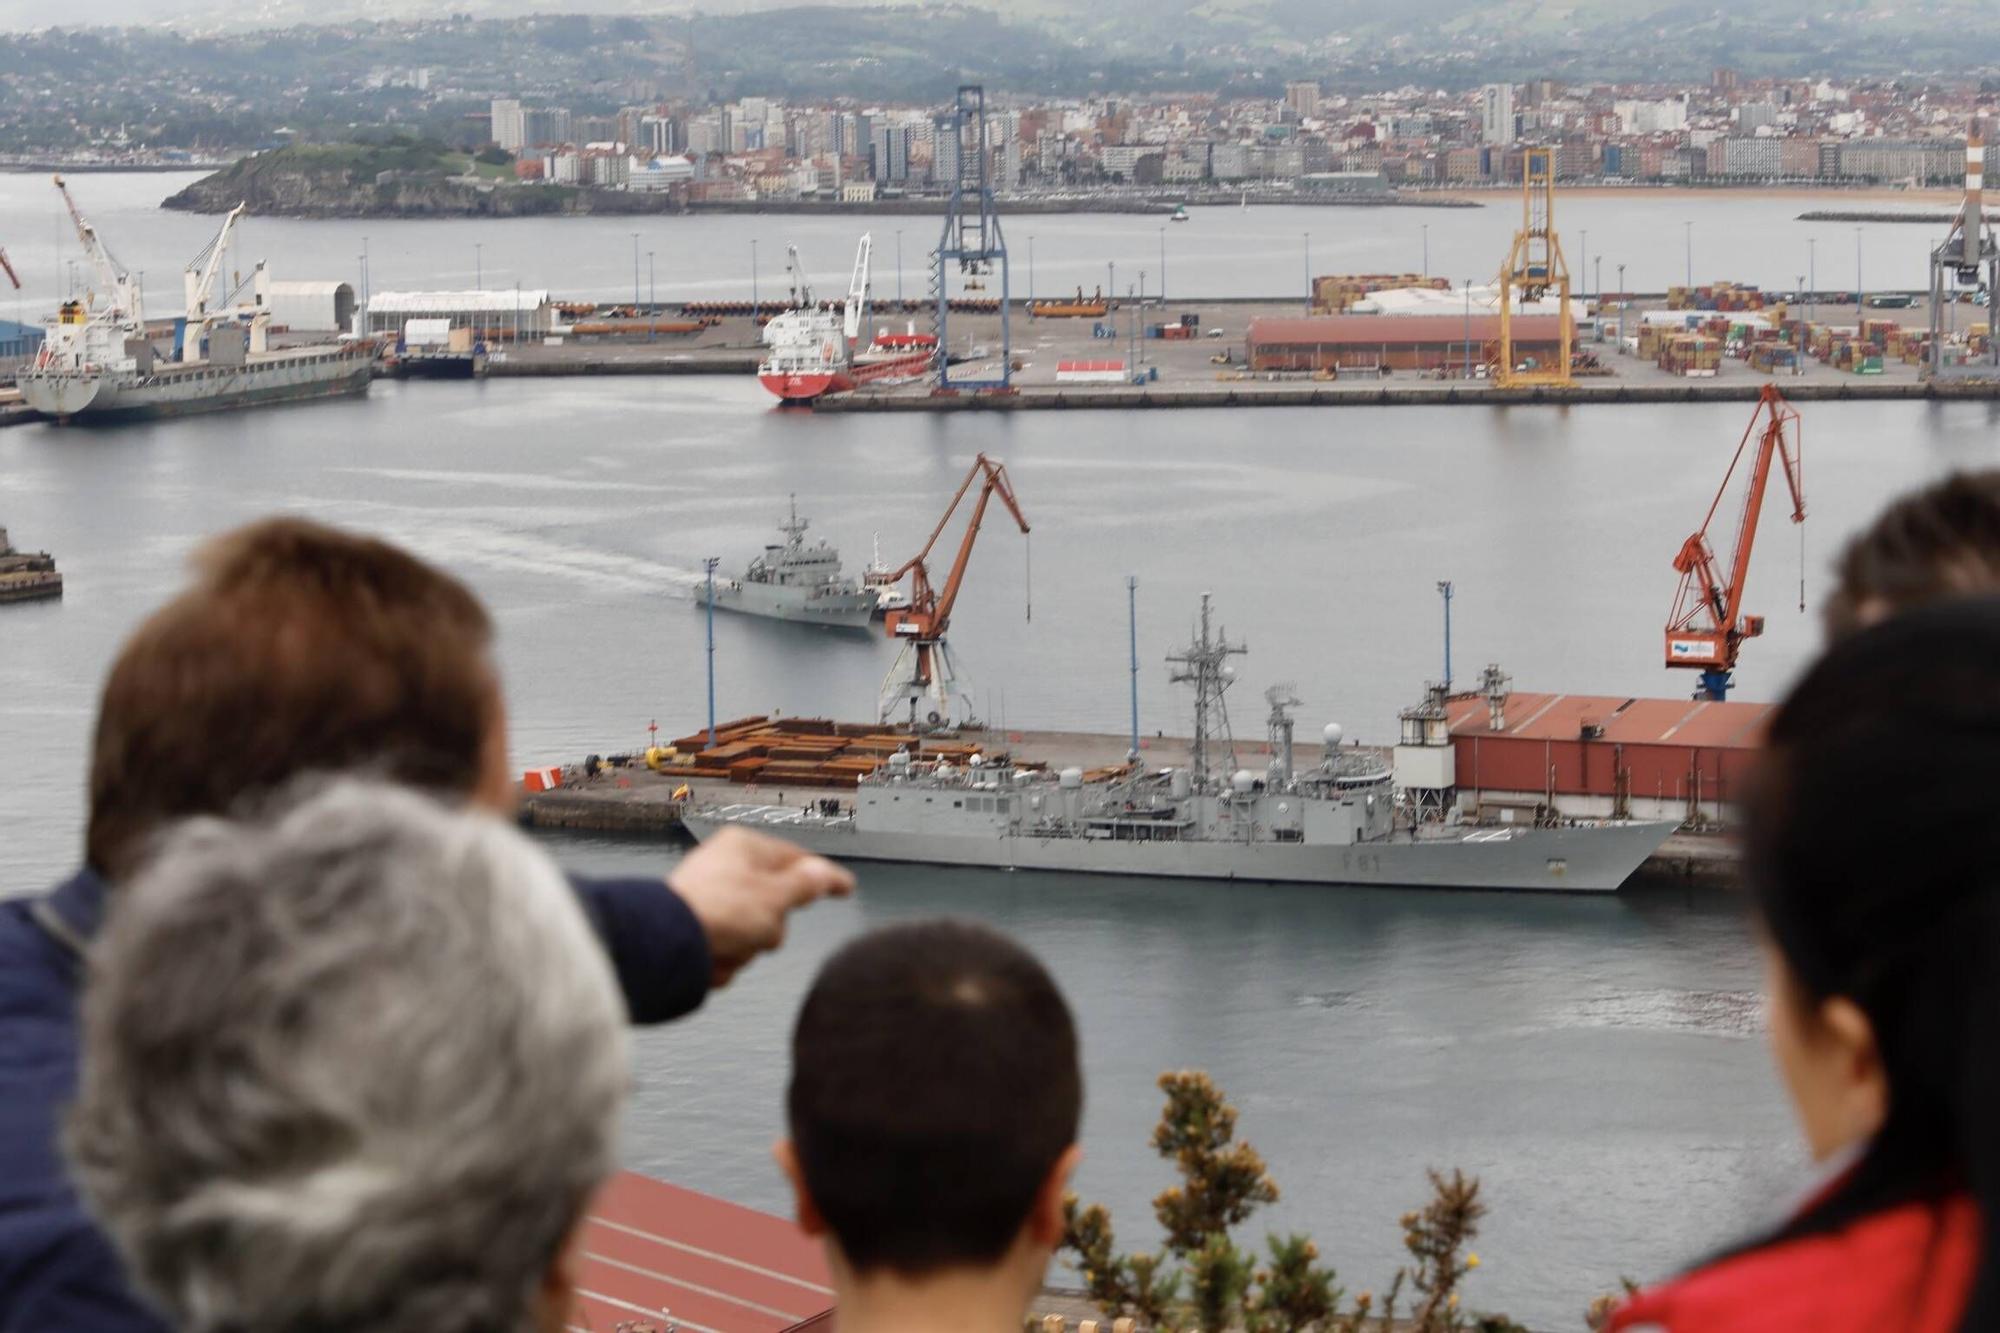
{"x":357,"y":1065}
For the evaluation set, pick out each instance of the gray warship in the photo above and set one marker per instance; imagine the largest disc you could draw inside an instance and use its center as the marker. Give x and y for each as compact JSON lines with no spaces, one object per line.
{"x":1346,"y":820}
{"x":793,"y":581}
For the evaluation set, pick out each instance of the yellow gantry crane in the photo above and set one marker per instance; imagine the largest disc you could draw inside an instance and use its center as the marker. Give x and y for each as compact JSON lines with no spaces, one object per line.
{"x":1535,"y":266}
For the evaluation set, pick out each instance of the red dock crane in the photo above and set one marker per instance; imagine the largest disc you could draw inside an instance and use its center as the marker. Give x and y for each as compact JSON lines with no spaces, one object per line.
{"x":1708,"y":627}
{"x":923,"y":671}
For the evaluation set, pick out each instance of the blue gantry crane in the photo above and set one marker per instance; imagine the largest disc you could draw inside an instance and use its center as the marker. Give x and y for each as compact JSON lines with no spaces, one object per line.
{"x":971,"y":237}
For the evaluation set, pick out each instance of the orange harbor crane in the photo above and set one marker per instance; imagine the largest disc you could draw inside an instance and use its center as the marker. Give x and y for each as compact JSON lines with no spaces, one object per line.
{"x":1708,"y":627}
{"x":923,"y":670}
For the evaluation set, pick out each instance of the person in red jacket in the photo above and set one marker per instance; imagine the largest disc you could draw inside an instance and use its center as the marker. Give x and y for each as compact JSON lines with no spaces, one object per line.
{"x":1872,"y":850}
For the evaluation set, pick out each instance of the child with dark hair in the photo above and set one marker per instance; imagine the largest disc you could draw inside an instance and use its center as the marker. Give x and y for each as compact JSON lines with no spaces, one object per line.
{"x":1874,"y":858}
{"x":933,"y":1111}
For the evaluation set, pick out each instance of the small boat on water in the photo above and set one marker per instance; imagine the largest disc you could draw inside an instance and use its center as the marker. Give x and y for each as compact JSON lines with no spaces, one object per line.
{"x":1180,"y":213}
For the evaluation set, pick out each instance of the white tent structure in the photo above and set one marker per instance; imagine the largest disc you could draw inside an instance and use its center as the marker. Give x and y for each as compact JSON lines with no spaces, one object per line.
{"x":529,"y":312}
{"x":311,"y":307}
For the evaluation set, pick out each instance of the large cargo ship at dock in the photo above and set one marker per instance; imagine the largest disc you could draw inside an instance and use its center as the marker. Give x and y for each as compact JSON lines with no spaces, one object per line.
{"x":1344,"y":821}
{"x":812,"y":348}
{"x":99,"y":361}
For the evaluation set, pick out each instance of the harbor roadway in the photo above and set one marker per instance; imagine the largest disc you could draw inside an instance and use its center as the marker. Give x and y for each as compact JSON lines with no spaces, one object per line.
{"x":635,"y":801}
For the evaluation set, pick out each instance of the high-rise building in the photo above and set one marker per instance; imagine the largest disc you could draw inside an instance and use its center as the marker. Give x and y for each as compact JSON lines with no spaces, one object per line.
{"x":508,"y":130}
{"x":1302,"y":96}
{"x":891,"y":153}
{"x":546,"y":125}
{"x":1496,"y":114}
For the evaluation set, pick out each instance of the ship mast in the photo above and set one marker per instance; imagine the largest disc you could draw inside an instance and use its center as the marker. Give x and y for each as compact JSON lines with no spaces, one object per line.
{"x":795,"y":529}
{"x":1202,"y":664}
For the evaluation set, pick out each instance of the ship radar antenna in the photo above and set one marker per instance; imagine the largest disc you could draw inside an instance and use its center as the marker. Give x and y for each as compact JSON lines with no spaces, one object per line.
{"x":1283,"y":699}
{"x":1203,"y":664}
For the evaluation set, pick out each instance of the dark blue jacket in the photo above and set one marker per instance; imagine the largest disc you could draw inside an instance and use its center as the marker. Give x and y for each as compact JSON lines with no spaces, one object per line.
{"x":58,"y":1272}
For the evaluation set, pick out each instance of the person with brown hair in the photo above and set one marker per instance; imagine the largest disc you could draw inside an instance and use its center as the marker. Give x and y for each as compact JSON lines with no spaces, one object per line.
{"x":1929,"y":544}
{"x":298,"y":648}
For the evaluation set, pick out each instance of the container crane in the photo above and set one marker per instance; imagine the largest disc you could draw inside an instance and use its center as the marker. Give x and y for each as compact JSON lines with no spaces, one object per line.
{"x":1534,"y":268}
{"x":1708,"y":626}
{"x":923,"y":672}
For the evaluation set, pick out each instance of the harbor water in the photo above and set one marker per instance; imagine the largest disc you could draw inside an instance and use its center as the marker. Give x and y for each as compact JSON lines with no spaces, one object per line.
{"x":1596,"y":1062}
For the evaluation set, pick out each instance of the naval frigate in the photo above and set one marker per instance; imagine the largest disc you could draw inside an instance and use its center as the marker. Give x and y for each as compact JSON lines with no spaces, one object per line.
{"x":794,"y":581}
{"x":1342,"y":821}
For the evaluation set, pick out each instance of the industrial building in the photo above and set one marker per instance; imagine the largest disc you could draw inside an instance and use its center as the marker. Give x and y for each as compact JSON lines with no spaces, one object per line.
{"x":508,"y":312}
{"x":1589,"y":756}
{"x":19,"y":340}
{"x":1393,"y":342}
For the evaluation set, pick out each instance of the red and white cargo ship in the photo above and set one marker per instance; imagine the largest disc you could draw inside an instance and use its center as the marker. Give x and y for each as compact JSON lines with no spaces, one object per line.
{"x":811,"y":348}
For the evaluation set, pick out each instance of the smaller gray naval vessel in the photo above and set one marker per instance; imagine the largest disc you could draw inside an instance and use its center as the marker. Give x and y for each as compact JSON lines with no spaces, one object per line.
{"x":1346,"y":820}
{"x":793,"y":581}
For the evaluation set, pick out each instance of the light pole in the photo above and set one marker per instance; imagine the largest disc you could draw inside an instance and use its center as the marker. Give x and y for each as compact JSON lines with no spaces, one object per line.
{"x":1110,"y":283}
{"x":1132,"y":622}
{"x":1597,"y":279}
{"x":1812,"y":276}
{"x":1584,"y":254}
{"x":1621,"y":293}
{"x":1689,"y":228}
{"x":1444,"y":591}
{"x":1031,"y":274}
{"x":708,"y":569}
{"x":652,"y":298}
{"x":1309,"y":270}
{"x":1798,"y":352}
{"x":1857,"y":273}
{"x":478,"y":269}
{"x":635,"y":268}
{"x":899,"y":268}
{"x":1163,"y":266}
{"x":1427,"y":249}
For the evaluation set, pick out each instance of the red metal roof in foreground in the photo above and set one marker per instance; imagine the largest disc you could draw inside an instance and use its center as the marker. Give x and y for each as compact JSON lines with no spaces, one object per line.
{"x":713,"y":1266}
{"x":1561,"y":717}
{"x":1395,"y":330}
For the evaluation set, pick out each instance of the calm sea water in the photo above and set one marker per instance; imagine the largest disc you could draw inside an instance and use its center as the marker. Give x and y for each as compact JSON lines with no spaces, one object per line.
{"x":1597,"y":1063}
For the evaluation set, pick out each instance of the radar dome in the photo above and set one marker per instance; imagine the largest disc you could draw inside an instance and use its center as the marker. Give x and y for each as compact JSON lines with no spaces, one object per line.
{"x":1244,"y":782}
{"x":1071,"y":777}
{"x":1333,"y":733}
{"x":975,"y":760}
{"x":1229,"y":673}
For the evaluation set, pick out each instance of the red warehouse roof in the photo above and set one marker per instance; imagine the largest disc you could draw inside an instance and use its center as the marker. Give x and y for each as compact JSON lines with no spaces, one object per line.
{"x":1697,"y":724}
{"x":648,"y":1247}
